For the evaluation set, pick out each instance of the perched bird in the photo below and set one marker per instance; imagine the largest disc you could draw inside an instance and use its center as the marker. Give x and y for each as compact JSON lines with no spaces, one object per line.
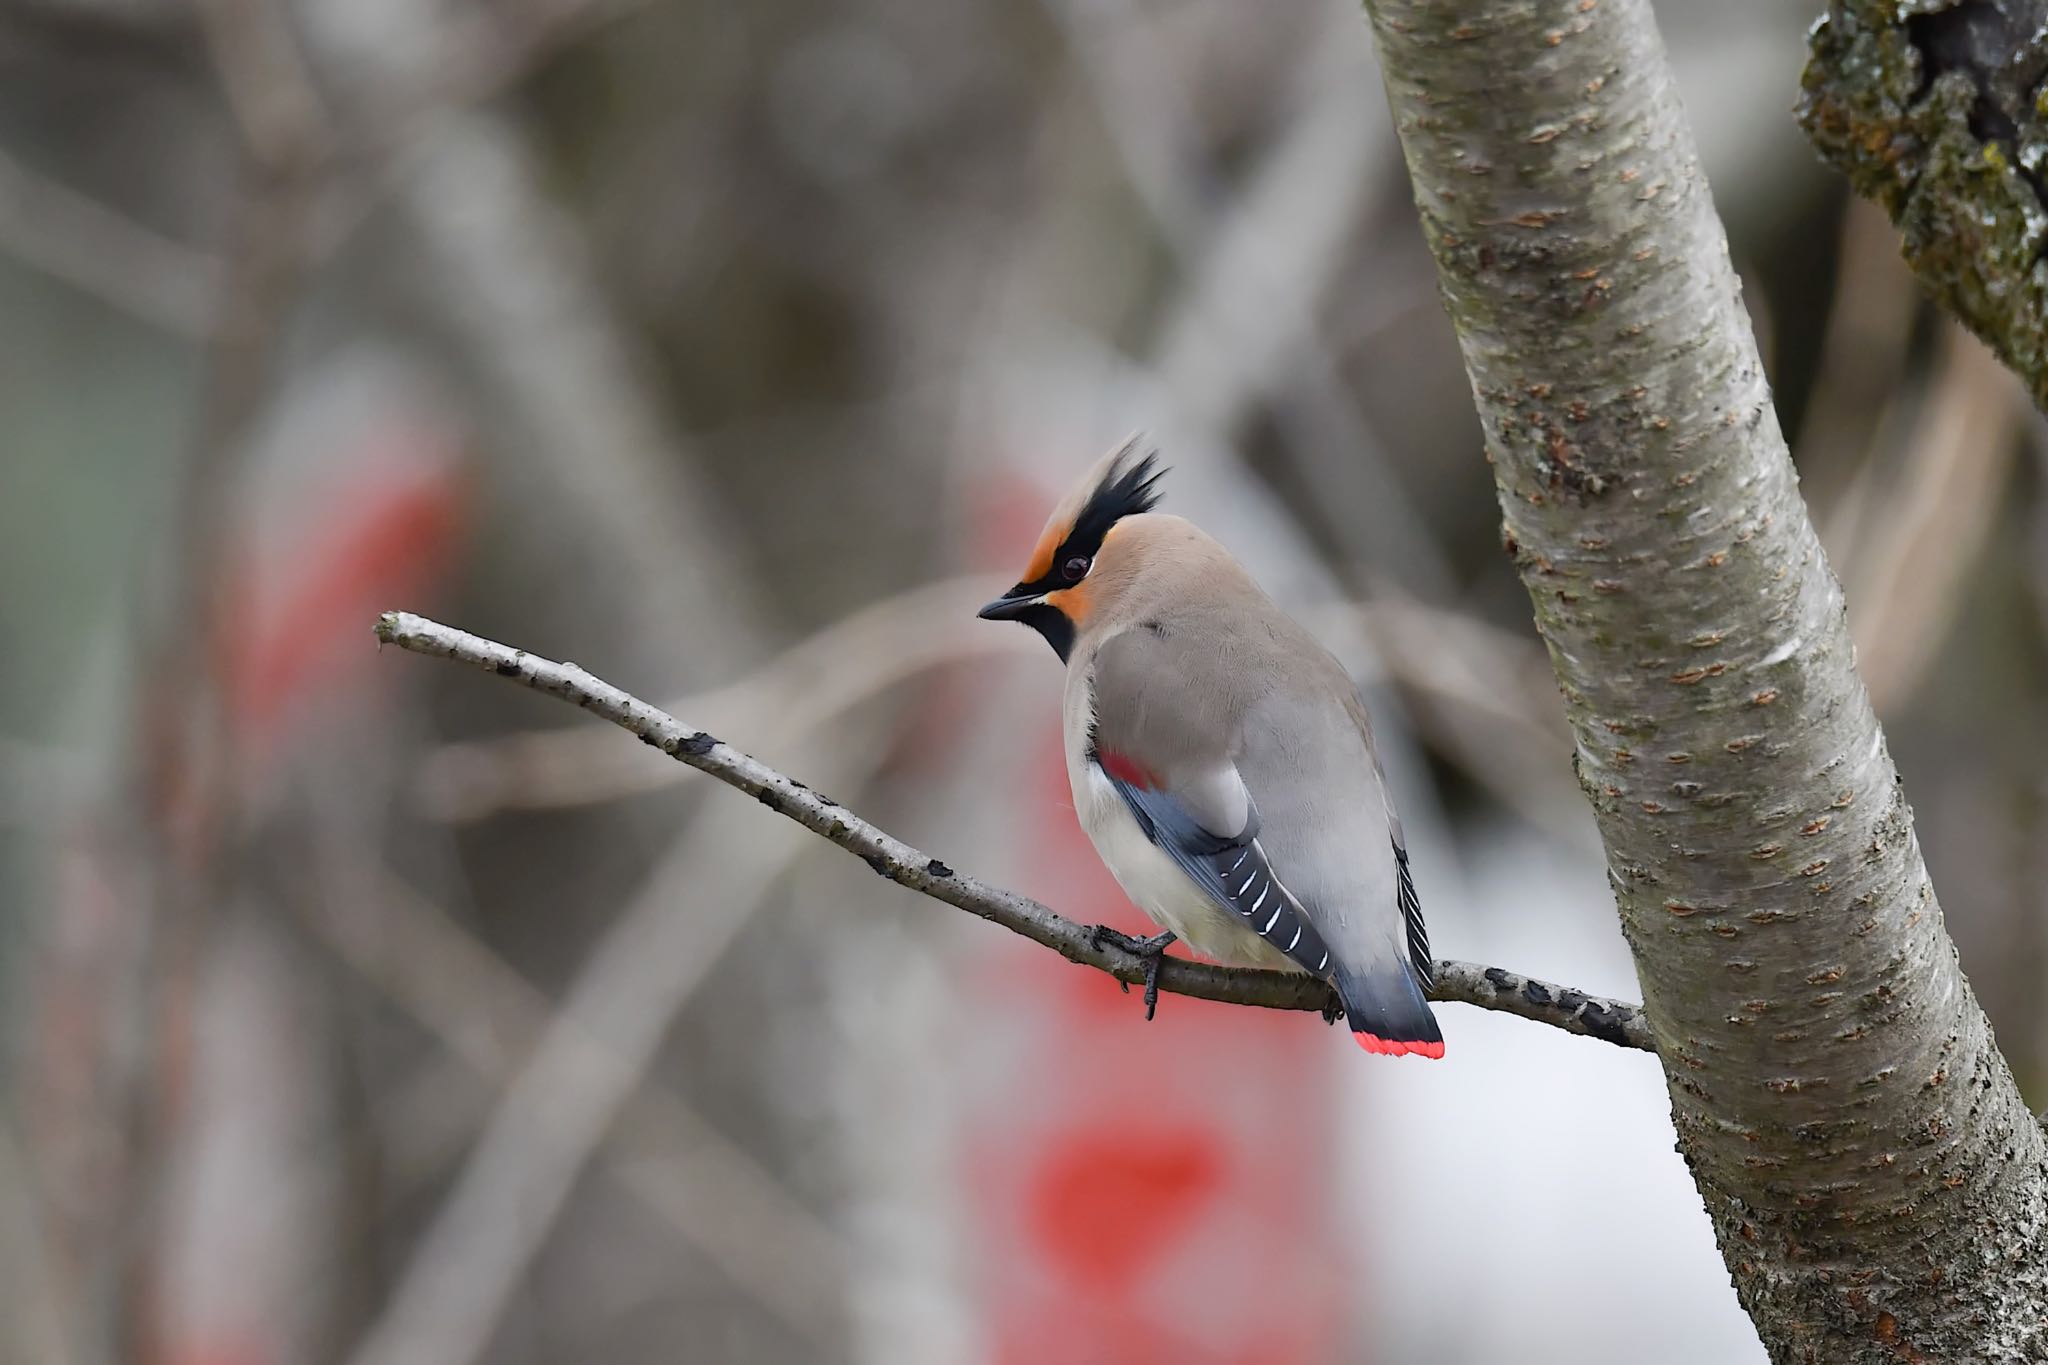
{"x":1221,"y":760}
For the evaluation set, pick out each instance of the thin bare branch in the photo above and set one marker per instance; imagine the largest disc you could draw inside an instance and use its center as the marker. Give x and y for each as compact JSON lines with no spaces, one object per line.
{"x":807,"y":686}
{"x":479,"y":57}
{"x":1488,"y":987}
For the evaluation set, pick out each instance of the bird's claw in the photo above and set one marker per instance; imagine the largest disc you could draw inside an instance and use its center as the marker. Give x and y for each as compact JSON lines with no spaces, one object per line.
{"x":1152,"y":949}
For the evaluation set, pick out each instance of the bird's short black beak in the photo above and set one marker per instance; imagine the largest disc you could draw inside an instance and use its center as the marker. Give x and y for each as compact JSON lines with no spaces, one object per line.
{"x":1026,"y":605}
{"x":1010,"y":606}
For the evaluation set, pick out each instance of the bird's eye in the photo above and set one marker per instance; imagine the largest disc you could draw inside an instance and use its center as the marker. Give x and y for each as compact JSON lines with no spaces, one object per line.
{"x":1075,"y":569}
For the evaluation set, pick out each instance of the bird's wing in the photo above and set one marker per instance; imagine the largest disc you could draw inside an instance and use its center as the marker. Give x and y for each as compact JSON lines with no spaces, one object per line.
{"x":1419,"y":960}
{"x":1308,"y":761}
{"x":1163,"y":740}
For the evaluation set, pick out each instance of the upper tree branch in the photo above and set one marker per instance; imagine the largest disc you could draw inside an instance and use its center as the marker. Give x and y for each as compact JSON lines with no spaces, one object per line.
{"x":1932,"y":110}
{"x":1488,"y":987}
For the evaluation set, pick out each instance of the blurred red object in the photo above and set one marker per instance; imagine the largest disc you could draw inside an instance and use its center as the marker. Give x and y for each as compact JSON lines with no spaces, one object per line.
{"x":375,"y":533}
{"x":1142,"y":1192}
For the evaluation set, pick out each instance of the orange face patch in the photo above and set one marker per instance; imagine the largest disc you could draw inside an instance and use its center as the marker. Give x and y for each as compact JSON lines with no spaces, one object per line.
{"x":1041,"y":557}
{"x":1072,"y":602}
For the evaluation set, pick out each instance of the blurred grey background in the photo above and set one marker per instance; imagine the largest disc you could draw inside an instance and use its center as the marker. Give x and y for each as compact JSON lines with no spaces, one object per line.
{"x":357,"y":1008}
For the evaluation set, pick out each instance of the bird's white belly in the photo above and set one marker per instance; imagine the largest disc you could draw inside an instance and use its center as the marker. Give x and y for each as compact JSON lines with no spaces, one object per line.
{"x":1156,"y":885}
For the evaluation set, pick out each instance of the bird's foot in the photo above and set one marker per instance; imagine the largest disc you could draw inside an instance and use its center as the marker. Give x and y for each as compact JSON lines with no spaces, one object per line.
{"x":1152,"y":949}
{"x":1333,"y":1011}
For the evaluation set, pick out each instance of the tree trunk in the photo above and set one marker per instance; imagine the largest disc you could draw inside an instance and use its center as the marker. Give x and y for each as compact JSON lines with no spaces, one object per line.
{"x":1874,"y":1179}
{"x":1932,"y":110}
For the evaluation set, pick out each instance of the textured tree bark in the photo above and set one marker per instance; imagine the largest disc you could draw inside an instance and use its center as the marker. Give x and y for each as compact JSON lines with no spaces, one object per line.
{"x":1874,"y":1179}
{"x":1934,"y":109}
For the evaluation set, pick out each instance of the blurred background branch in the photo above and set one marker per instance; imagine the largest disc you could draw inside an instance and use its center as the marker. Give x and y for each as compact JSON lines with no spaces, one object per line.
{"x":636,"y":324}
{"x":54,"y":228}
{"x":669,"y":1156}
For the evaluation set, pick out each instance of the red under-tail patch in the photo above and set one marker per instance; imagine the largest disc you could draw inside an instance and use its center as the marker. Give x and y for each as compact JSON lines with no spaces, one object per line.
{"x":1124,"y":768}
{"x":1386,"y":1047}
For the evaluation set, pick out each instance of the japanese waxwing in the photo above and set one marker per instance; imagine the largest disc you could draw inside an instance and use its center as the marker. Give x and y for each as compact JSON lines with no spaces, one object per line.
{"x":1220,"y":758}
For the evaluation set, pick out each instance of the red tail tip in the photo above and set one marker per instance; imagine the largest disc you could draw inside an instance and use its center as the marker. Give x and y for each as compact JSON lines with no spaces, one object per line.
{"x":1386,"y":1047}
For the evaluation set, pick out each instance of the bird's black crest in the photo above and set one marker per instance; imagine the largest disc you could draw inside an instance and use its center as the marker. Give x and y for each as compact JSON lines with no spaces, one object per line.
{"x":1126,"y":490}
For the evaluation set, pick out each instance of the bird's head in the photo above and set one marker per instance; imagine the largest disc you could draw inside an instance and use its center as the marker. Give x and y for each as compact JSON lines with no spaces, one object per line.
{"x":1058,"y":594}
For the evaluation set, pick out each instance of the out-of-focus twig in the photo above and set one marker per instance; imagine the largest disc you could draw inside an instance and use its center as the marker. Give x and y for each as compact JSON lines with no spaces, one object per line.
{"x":33,"y":1326}
{"x":466,"y":1266}
{"x":175,"y":286}
{"x":673,"y":1160}
{"x":1862,"y":359}
{"x":1904,"y":578}
{"x":266,"y":80}
{"x":286,"y":141}
{"x":514,"y":280}
{"x":1244,"y":326}
{"x":183,"y":754}
{"x":81,"y":241}
{"x":1478,"y":694}
{"x":477,"y":58}
{"x":1488,"y":987}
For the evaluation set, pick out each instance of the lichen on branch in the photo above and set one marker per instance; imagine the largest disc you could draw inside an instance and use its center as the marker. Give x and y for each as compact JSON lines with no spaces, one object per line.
{"x":1937,"y":112}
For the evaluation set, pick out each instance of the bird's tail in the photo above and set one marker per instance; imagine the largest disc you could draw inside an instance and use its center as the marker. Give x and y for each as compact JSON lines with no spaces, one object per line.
{"x":1387,"y":1012}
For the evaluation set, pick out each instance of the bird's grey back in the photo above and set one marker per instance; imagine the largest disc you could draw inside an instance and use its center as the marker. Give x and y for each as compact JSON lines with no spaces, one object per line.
{"x":1220,"y":675}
